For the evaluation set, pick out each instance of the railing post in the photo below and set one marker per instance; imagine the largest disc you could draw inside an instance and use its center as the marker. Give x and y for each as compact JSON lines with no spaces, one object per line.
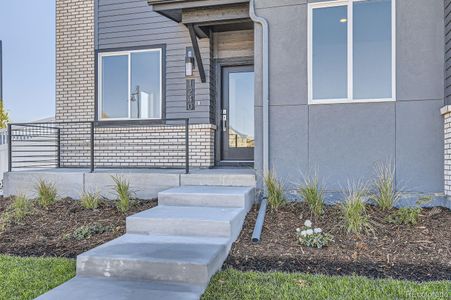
{"x":10,"y":146}
{"x":92,"y":147}
{"x":59,"y":148}
{"x":186,"y":146}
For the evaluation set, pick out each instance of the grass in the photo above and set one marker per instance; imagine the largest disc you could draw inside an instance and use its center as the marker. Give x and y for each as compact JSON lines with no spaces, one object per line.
{"x":27,"y":278}
{"x":274,"y":190}
{"x":385,"y":195}
{"x":21,"y":207}
{"x":122,"y":188}
{"x":90,"y":200}
{"x":313,"y":195}
{"x":46,"y":193}
{"x":232,"y":284}
{"x":354,"y":210}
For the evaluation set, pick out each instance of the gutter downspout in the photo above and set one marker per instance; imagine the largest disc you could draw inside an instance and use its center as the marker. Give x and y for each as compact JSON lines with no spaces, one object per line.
{"x":265,"y":64}
{"x":265,"y":61}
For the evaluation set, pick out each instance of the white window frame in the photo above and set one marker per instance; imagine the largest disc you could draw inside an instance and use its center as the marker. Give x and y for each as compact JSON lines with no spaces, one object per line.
{"x":350,"y":98}
{"x":100,"y":82}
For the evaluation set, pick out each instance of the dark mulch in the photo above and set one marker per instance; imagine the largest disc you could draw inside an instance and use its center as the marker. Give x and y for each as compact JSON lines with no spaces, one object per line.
{"x":49,"y":232}
{"x":421,"y":252}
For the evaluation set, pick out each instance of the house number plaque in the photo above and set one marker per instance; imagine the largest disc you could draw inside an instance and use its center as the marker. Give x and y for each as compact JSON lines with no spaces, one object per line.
{"x":190,"y":94}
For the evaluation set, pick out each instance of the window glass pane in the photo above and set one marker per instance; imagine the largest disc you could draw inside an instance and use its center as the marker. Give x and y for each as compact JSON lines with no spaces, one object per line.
{"x":330,"y":52}
{"x":145,"y":85}
{"x":114,"y":87}
{"x":372,"y":49}
{"x":241,"y":110}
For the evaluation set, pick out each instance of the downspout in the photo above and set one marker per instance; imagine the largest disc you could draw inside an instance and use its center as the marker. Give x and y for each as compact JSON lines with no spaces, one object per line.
{"x":265,"y":61}
{"x":265,"y":79}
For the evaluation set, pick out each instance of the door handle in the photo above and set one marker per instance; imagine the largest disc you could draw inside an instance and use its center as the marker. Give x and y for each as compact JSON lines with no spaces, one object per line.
{"x":224,"y":120}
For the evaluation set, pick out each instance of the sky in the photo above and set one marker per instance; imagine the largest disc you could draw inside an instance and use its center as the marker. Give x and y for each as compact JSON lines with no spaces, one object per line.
{"x":27,"y":29}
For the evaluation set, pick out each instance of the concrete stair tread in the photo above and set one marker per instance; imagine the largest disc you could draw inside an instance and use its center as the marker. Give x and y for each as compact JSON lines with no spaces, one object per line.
{"x":214,"y":190}
{"x":101,"y":288}
{"x":165,"y":239}
{"x":145,"y":251}
{"x":213,"y":214}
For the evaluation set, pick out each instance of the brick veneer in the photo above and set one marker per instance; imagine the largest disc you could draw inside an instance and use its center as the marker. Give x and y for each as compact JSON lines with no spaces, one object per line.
{"x":75,"y":64}
{"x":446,"y":113}
{"x":75,"y":101}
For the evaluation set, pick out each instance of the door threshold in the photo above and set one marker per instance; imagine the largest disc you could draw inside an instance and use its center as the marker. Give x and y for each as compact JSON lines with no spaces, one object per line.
{"x":235,"y":163}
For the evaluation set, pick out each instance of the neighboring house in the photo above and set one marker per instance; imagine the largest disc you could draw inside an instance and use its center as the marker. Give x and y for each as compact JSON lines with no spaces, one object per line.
{"x":350,"y":83}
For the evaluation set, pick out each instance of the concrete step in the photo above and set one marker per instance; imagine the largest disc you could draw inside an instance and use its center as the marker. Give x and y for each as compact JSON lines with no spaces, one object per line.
{"x":141,"y":258}
{"x":186,"y":220}
{"x":101,"y":288}
{"x":216,"y":196}
{"x":220,"y":177}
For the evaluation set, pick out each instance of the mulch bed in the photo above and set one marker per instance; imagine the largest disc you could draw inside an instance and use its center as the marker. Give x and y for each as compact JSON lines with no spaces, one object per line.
{"x":421,"y":252}
{"x":49,"y":232}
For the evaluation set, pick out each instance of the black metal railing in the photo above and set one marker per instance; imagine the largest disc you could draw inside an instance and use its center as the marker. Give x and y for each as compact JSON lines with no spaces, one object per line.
{"x":153,"y":144}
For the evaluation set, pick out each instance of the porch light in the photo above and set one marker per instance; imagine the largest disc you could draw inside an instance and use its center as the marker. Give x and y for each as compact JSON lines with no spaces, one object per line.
{"x":344,"y":20}
{"x":189,"y":63}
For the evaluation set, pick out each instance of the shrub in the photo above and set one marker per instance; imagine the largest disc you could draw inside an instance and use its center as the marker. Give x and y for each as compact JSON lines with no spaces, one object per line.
{"x":21,"y":207}
{"x":385,"y":194}
{"x":90,"y":200}
{"x":122,"y":188}
{"x":354,"y":209}
{"x":275,"y":193}
{"x":405,"y":216}
{"x":313,"y":237}
{"x":46,"y":193}
{"x":313,"y":195}
{"x":87,"y":231}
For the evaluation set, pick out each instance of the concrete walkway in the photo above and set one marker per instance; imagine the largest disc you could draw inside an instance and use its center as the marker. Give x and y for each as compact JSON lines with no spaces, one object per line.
{"x":168,"y":252}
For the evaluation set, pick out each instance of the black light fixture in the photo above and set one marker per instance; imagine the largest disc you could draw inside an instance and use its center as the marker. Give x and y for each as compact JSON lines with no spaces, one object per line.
{"x":189,"y":62}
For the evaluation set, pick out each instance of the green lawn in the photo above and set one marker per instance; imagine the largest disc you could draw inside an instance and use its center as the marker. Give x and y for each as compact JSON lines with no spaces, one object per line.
{"x":232,"y":284}
{"x":26,"y":278}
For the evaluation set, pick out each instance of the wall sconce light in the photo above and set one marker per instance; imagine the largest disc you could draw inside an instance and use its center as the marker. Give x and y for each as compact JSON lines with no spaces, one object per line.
{"x":189,"y":62}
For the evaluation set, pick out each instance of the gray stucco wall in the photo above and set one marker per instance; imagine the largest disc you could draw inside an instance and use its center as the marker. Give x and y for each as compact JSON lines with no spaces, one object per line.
{"x":132,"y":23}
{"x":342,"y":142}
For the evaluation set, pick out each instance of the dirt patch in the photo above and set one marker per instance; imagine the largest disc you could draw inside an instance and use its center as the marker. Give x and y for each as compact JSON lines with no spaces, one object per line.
{"x":421,"y":252}
{"x":50,"y":232}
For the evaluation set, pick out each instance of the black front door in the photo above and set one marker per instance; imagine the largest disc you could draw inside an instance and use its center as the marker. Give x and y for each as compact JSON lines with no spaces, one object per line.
{"x":237,"y":114}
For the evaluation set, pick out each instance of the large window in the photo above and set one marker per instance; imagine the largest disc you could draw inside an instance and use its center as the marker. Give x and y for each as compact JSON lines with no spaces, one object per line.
{"x":351,"y":51}
{"x":130,"y":85}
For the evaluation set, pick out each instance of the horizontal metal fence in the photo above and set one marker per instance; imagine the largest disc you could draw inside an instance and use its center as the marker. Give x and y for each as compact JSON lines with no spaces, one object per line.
{"x":162,"y":144}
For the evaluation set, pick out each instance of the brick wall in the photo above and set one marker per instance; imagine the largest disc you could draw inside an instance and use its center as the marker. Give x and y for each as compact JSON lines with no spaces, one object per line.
{"x":446,"y":112}
{"x":75,"y":90}
{"x":137,"y":147}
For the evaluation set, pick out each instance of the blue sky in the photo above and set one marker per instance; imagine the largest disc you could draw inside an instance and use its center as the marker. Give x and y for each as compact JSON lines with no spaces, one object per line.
{"x":27,"y":29}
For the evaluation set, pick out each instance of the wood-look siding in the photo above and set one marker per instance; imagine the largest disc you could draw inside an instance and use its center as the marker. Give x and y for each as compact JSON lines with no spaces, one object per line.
{"x":132,"y":23}
{"x":448,"y":51}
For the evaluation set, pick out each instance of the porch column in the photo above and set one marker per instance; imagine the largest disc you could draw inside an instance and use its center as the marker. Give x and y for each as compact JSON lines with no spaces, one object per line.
{"x":446,"y":113}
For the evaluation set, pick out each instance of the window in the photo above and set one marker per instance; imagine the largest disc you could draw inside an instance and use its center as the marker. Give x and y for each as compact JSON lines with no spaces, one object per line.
{"x":130,"y":85}
{"x":351,"y":51}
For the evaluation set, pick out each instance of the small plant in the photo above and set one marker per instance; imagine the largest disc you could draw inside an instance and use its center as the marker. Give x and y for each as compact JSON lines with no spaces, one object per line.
{"x":385,"y":194}
{"x":275,"y":193}
{"x":313,"y":237}
{"x":90,"y":200}
{"x":122,"y":188}
{"x":354,"y":209}
{"x":87,"y":231}
{"x":313,"y":195}
{"x":21,"y":207}
{"x":405,"y":216}
{"x":46,"y":193}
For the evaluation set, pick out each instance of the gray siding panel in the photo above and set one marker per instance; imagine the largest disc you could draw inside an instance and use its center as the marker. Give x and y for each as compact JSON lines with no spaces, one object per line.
{"x":448,"y":51}
{"x":132,"y":23}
